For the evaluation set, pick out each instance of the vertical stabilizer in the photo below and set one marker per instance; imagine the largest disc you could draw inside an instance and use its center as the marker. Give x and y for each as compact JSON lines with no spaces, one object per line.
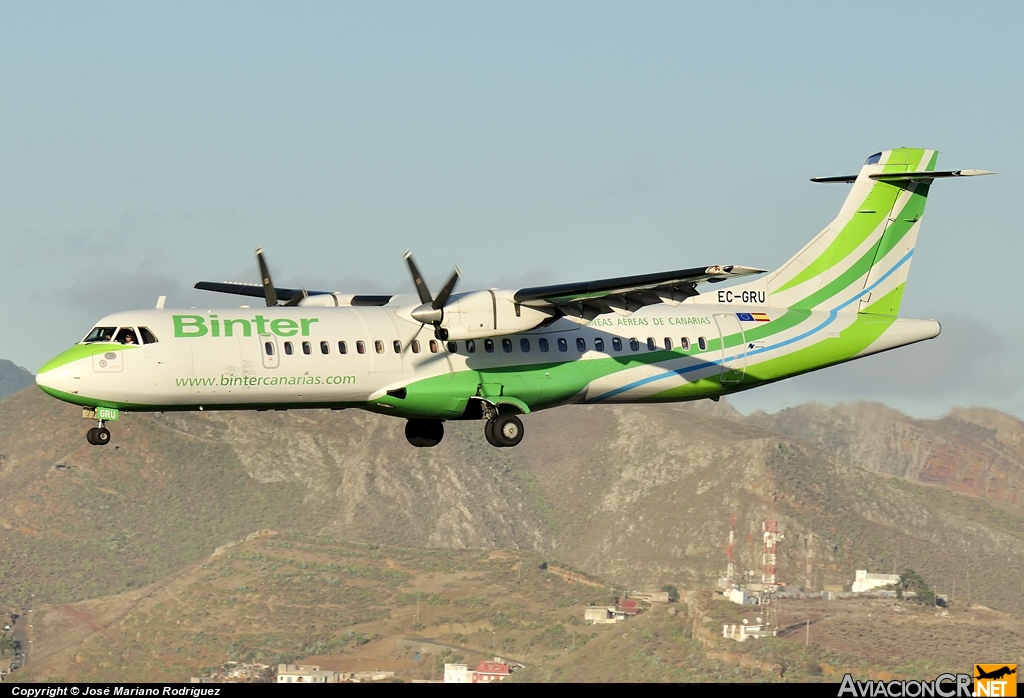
{"x":860,"y":261}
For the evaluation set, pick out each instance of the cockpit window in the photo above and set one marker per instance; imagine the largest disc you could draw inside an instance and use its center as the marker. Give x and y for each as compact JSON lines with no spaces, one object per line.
{"x":873,"y":160}
{"x":100,"y":334}
{"x":149,"y":338}
{"x":127,"y":336}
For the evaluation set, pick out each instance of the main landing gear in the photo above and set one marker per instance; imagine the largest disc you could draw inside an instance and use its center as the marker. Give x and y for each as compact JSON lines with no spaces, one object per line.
{"x":424,"y":433}
{"x":98,"y":436}
{"x":504,"y":430}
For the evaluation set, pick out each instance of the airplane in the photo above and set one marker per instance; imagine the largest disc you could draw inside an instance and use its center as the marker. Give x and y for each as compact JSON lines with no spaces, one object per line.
{"x":499,"y":354}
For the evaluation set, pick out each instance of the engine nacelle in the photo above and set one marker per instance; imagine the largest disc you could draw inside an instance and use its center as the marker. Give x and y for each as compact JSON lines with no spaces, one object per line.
{"x":489,"y":314}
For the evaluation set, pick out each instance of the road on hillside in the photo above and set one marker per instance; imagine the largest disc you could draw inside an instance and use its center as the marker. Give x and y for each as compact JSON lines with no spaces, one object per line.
{"x":20,"y":633}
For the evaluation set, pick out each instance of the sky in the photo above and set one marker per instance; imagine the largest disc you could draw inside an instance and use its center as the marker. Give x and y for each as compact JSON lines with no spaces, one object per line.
{"x":146,"y":147}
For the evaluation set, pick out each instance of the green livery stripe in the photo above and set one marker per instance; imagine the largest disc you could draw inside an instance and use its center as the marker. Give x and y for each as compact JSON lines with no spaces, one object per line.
{"x":892,"y":236}
{"x":872,"y":212}
{"x":879,"y":202}
{"x":854,"y":339}
{"x":887,"y":304}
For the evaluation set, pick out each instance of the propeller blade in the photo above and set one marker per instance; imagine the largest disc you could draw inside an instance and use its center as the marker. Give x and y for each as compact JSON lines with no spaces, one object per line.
{"x":268,"y":286}
{"x":442,"y":297}
{"x":417,"y":279}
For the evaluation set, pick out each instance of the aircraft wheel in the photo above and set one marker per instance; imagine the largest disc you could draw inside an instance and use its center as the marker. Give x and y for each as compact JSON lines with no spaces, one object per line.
{"x":489,"y":433}
{"x":507,"y":430}
{"x":90,"y":436}
{"x":102,"y":437}
{"x":424,"y":433}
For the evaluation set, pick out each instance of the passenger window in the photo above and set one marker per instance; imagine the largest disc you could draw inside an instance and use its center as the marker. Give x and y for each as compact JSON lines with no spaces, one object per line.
{"x":598,"y":344}
{"x":543,"y":344}
{"x":269,"y":348}
{"x":147,"y":336}
{"x":651,"y":344}
{"x":397,"y":346}
{"x":100,"y":334}
{"x":489,"y":346}
{"x":415,"y":346}
{"x":342,"y":347}
{"x":325,"y":348}
{"x":306,"y":348}
{"x":506,"y":346}
{"x":668,"y":343}
{"x":562,"y":344}
{"x":524,"y":345}
{"x":702,"y":343}
{"x":616,"y":344}
{"x":288,"y":348}
{"x":452,"y":347}
{"x":470,"y":346}
{"x":378,"y":346}
{"x":684,"y":344}
{"x":127,"y":336}
{"x":634,"y":344}
{"x":361,"y":347}
{"x":433,"y":346}
{"x":581,"y":344}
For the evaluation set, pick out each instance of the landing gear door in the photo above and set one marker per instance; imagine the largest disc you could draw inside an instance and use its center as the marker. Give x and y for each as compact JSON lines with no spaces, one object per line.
{"x":734,"y":353}
{"x":269,"y":351}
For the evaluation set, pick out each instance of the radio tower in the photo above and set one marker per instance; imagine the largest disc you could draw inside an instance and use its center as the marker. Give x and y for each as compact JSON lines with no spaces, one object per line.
{"x":730,"y":569}
{"x":769,"y":583}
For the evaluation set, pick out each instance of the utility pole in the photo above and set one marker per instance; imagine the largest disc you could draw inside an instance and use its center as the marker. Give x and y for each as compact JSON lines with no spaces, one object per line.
{"x":807,"y":640}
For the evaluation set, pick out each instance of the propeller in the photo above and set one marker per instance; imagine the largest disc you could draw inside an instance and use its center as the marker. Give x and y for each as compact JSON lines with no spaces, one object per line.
{"x":432,"y":310}
{"x":268,"y":286}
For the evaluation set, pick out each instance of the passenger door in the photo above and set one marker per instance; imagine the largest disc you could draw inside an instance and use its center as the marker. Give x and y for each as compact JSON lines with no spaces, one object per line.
{"x":734,"y":357}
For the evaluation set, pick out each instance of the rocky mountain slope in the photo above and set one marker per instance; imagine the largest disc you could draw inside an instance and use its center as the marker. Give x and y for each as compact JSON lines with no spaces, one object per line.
{"x":13,"y":378}
{"x":641,"y":495}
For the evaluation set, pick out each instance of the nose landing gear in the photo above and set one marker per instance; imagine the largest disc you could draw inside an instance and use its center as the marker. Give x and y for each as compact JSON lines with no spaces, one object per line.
{"x":98,"y":436}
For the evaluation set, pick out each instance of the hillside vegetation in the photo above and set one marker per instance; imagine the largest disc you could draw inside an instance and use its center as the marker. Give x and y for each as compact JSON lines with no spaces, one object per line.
{"x":641,"y":495}
{"x":282,"y":597}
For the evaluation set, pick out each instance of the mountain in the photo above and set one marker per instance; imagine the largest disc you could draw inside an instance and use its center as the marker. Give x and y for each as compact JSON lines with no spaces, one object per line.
{"x":641,"y":495}
{"x":13,"y":378}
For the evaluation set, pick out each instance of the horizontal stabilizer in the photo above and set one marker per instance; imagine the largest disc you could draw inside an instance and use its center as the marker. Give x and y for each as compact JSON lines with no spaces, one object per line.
{"x":904,"y":176}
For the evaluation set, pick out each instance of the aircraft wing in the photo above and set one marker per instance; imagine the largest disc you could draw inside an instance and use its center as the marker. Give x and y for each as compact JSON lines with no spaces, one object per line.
{"x":588,"y":299}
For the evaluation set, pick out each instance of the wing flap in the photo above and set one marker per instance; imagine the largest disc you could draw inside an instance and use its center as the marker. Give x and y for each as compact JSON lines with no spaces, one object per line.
{"x":628,"y":293}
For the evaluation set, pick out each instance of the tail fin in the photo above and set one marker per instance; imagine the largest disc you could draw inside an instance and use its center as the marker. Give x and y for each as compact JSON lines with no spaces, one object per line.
{"x":863,"y":256}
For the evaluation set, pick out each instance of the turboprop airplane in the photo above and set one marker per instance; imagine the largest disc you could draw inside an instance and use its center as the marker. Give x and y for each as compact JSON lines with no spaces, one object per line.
{"x":495,"y":355}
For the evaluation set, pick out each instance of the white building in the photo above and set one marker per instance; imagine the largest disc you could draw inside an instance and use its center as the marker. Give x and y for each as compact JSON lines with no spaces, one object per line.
{"x":305,"y":673}
{"x":866,"y":581}
{"x":741,"y":597}
{"x":595,"y":615}
{"x":458,"y":673}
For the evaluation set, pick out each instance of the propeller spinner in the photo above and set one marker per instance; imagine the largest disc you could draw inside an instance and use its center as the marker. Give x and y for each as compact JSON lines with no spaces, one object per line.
{"x":432,"y":310}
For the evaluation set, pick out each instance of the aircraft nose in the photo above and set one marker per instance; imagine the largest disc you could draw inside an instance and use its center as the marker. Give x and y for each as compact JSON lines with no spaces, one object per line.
{"x":55,"y":375}
{"x":53,"y":381}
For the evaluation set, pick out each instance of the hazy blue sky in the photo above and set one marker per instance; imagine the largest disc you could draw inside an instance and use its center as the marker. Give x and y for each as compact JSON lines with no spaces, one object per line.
{"x":145,"y":147}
